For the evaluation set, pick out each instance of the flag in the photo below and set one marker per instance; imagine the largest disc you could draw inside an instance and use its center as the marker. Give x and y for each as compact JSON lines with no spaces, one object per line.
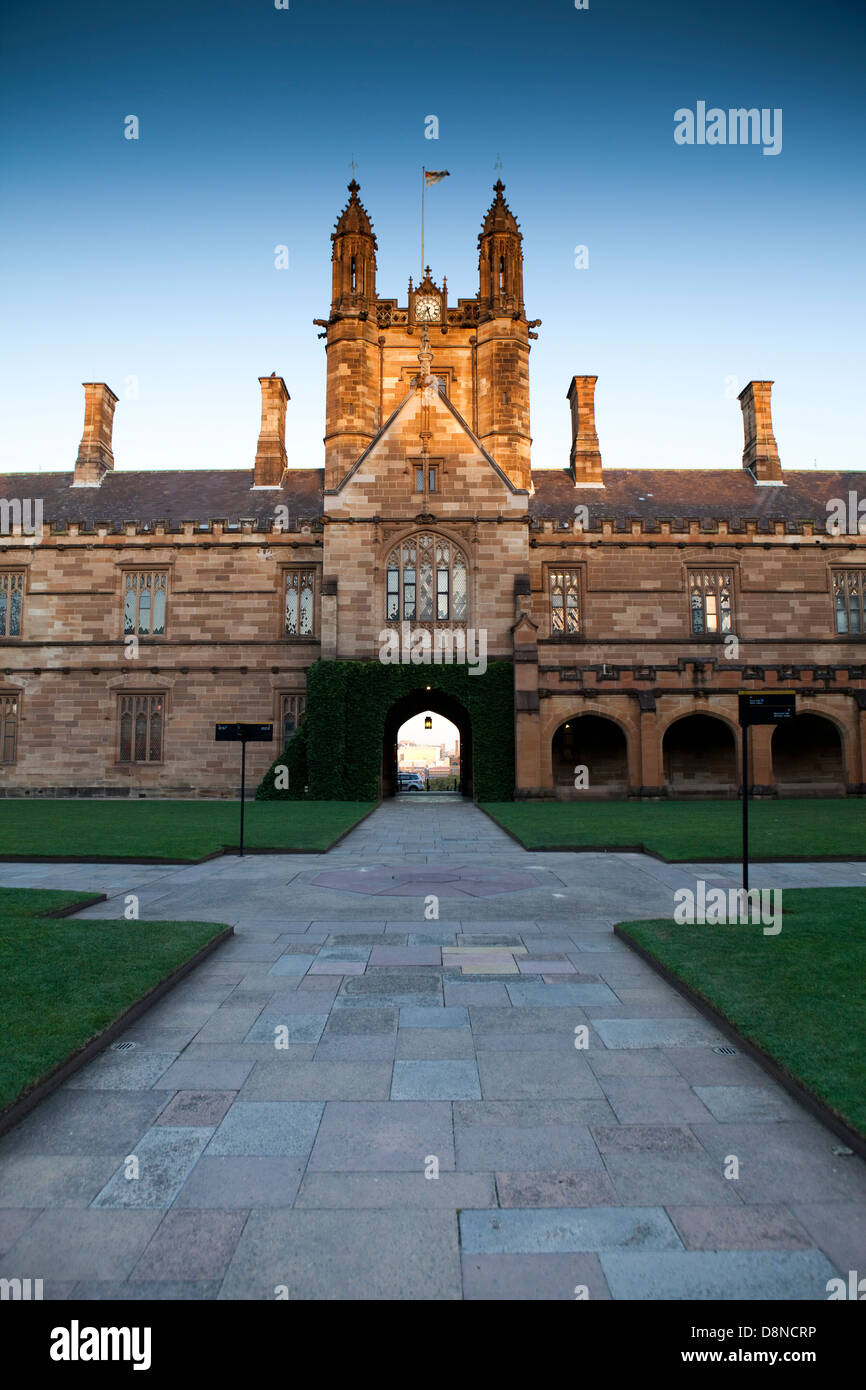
{"x":432,"y":176}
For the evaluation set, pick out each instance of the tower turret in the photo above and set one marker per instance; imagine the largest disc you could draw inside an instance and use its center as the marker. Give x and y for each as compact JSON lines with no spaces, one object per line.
{"x":353,"y":258}
{"x":503,"y":342}
{"x":351,"y":412}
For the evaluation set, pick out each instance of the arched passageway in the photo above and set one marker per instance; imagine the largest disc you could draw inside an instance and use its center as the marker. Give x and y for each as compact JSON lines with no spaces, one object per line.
{"x":700,"y":757}
{"x":807,"y":757}
{"x":593,"y":743}
{"x":418,"y":702}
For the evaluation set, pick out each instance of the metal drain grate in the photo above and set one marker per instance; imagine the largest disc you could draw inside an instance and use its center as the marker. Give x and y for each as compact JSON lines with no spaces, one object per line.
{"x":726,"y":1050}
{"x":122,"y":1046}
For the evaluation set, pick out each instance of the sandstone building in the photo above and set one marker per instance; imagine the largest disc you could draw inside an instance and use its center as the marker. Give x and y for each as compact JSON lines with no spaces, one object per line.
{"x":136,"y":608}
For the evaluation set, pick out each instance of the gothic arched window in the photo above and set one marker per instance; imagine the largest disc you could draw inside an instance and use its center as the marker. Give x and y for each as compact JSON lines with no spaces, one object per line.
{"x":426,"y":581}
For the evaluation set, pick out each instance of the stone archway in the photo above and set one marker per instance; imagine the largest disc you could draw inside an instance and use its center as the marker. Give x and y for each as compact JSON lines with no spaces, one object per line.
{"x":597,"y":743}
{"x":416,"y":702}
{"x":808,"y":757}
{"x":699,"y":754}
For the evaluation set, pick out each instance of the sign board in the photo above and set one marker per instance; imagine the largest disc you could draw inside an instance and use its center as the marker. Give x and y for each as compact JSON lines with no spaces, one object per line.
{"x":766,"y":706}
{"x":244,"y":733}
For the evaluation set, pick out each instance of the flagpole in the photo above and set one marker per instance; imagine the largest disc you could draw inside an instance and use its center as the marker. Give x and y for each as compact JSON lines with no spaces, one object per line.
{"x":423,"y":186}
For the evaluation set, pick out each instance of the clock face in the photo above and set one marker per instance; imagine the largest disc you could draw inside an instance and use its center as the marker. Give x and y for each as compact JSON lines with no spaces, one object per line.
{"x":427,"y":308}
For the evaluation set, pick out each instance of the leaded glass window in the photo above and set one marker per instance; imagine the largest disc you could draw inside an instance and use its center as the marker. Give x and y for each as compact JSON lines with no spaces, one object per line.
{"x":144,"y":603}
{"x":300,"y":596}
{"x":710,"y":599}
{"x":291,"y":713}
{"x":426,"y":581}
{"x":8,"y":728}
{"x":564,"y":602}
{"x":11,"y":599}
{"x":141,"y":728}
{"x":849,"y":601}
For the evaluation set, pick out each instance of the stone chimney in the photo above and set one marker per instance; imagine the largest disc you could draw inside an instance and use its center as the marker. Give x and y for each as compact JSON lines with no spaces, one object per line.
{"x":95,"y":457}
{"x":271,"y":452}
{"x":761,"y":454}
{"x":585,"y":456}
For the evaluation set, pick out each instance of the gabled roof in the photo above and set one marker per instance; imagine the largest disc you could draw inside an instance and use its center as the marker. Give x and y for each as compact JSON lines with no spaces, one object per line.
{"x":442,"y":399}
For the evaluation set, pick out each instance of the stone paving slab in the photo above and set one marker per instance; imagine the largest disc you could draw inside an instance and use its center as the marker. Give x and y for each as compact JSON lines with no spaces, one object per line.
{"x":83,"y":1122}
{"x":559,"y":1102}
{"x":191,"y":1245}
{"x":788,"y":1276}
{"x":57,"y":1181}
{"x":523,"y":1148}
{"x":533,"y":1277}
{"x":435,"y":1044}
{"x":398,"y":1191}
{"x":145,"y":1291}
{"x":72,"y":1245}
{"x":14,"y":1222}
{"x":267,"y":1129}
{"x":367,"y":1136}
{"x":739,"y":1228}
{"x":201,"y":1109}
{"x":165,"y":1156}
{"x":318,"y":1080}
{"x":435,"y":1080}
{"x":241,"y":1183}
{"x":568,"y":1230}
{"x":346,"y":1255}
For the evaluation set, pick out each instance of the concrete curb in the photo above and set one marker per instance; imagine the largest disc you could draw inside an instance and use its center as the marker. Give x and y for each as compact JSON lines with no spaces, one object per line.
{"x":27,"y":1102}
{"x":765,"y":1060}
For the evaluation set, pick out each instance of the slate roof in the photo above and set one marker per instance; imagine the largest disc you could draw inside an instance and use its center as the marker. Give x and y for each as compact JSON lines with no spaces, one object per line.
{"x":652,"y":495}
{"x":648,"y":495}
{"x":171,"y":496}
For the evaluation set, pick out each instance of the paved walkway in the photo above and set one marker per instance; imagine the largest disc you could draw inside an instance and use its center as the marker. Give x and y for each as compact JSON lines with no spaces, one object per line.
{"x":288,"y":1106}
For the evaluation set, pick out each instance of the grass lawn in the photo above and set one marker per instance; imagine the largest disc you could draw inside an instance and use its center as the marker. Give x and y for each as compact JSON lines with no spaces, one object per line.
{"x":169,"y":829}
{"x":62,"y":982}
{"x":799,"y":995}
{"x":808,"y":829}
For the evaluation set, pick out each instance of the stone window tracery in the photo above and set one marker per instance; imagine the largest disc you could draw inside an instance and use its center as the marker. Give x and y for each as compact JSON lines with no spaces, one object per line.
{"x":710,"y":601}
{"x":8,"y":728}
{"x":141,"y":728}
{"x":300,"y":602}
{"x":426,"y":581}
{"x":144,"y":603}
{"x":11,"y":600}
{"x":564,"y":602}
{"x":849,"y":602}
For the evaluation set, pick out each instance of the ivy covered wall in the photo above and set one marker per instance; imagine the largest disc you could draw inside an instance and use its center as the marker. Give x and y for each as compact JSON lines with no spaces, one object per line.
{"x":337,"y":751}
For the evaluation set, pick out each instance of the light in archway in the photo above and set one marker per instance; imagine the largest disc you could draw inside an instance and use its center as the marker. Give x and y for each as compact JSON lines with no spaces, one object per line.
{"x":428,"y":722}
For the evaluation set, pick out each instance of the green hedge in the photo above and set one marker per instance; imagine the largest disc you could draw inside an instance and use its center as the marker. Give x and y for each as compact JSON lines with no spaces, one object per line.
{"x":337,"y":751}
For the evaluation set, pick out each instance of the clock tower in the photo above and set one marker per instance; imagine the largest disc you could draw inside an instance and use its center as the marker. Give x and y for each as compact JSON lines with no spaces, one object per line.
{"x":480,"y":344}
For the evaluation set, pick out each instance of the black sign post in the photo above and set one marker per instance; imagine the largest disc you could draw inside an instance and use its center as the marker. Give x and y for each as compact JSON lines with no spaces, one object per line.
{"x":243,"y":734}
{"x":759,"y":707}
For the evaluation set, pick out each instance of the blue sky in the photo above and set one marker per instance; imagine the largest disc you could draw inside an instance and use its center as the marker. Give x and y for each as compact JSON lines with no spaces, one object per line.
{"x":153,"y":260}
